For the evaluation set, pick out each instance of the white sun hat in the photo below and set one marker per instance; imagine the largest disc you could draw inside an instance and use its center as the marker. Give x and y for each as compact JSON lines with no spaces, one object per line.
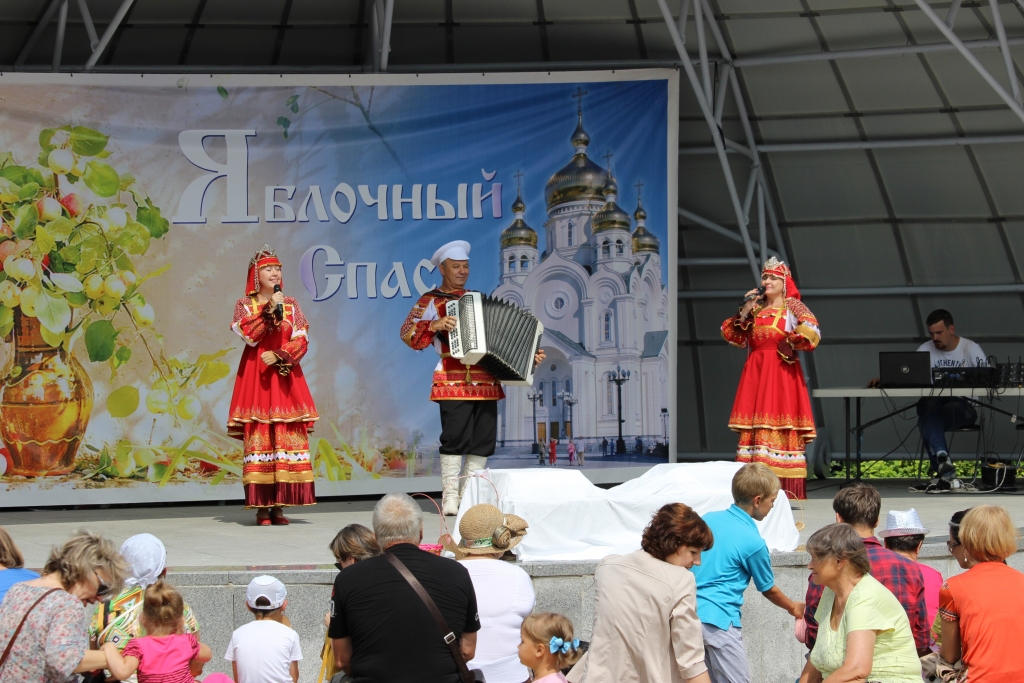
{"x":903,"y":523}
{"x":456,"y":251}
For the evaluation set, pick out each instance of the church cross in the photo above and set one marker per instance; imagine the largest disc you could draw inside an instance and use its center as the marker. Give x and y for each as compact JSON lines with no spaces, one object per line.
{"x":518,"y":176}
{"x":639,"y":187}
{"x":578,"y":96}
{"x":608,"y":159}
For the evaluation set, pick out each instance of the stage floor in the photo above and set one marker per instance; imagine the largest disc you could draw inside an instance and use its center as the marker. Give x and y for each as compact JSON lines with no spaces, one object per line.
{"x":225,"y":536}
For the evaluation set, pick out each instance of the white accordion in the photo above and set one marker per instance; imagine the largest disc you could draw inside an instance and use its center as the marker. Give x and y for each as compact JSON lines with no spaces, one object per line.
{"x":498,"y":336}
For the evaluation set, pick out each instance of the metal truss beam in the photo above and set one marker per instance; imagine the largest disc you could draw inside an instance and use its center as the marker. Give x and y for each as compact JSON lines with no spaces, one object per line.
{"x":58,"y":44}
{"x":112,"y":27}
{"x":1004,"y":48}
{"x":44,"y":21}
{"x":971,"y":59}
{"x":716,"y":134}
{"x":826,"y":146}
{"x":90,"y":28}
{"x":864,"y":53}
{"x":728,"y":233}
{"x":381,"y":15}
{"x":725,"y":261}
{"x":869,"y":291}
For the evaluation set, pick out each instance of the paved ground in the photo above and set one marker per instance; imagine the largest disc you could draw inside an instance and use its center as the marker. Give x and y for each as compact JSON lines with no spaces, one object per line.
{"x":225,"y":536}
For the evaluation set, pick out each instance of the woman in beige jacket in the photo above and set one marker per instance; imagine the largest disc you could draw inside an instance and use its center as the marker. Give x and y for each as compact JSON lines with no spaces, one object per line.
{"x":646,"y":628}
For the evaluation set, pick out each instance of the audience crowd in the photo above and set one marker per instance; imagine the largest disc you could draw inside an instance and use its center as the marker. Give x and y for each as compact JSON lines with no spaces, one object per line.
{"x":668,"y":612}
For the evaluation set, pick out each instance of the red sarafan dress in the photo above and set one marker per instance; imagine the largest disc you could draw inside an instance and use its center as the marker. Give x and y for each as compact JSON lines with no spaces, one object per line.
{"x":772,"y":411}
{"x":272,"y":411}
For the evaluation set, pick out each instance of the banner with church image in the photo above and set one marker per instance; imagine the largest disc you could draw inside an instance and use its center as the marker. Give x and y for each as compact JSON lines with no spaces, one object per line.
{"x":131,"y":205}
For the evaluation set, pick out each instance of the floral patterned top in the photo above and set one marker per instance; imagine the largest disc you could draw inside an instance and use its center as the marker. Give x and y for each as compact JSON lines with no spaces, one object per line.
{"x":53,"y":640}
{"x":870,"y":607}
{"x":117,"y":621}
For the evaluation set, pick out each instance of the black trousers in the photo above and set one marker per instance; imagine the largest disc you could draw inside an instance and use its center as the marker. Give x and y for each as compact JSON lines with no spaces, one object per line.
{"x":468,"y":427}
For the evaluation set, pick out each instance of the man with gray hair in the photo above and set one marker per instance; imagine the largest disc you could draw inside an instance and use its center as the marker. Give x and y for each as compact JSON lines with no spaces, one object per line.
{"x":380,"y":628}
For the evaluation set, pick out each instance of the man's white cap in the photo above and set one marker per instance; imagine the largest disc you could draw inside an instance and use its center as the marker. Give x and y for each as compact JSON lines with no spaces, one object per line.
{"x":456,"y":251}
{"x":265,"y":587}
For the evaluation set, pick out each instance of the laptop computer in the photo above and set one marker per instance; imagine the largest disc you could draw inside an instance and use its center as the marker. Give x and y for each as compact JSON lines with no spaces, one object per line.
{"x":905,"y":369}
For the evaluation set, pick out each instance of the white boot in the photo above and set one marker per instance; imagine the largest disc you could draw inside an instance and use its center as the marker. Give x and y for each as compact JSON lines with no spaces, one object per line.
{"x":450,"y":466}
{"x":474,"y":463}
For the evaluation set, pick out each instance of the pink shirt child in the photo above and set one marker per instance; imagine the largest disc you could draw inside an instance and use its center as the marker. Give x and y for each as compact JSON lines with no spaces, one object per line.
{"x":164,"y":659}
{"x":556,"y":677}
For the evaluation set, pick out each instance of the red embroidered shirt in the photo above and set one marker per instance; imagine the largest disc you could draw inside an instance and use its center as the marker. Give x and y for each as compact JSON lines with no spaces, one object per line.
{"x":452,"y":379}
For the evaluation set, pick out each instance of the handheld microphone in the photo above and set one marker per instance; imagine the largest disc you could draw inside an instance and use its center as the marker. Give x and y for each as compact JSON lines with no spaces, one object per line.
{"x":751,"y":297}
{"x":279,"y":311}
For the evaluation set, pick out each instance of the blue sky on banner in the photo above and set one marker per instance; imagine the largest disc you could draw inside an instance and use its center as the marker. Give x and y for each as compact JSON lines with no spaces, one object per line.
{"x":447,"y":135}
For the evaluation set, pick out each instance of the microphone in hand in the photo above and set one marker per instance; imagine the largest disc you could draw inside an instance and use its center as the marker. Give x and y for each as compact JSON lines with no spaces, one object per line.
{"x":754,"y":295}
{"x":279,"y":311}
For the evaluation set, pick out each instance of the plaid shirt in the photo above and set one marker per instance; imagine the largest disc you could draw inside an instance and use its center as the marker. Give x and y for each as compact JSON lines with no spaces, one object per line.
{"x":897,"y":573}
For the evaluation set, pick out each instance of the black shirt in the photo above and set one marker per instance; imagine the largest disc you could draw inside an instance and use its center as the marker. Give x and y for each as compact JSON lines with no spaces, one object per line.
{"x":394,"y":637}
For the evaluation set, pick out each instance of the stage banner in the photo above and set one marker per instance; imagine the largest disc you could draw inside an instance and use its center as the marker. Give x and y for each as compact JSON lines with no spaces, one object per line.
{"x":131,"y":206}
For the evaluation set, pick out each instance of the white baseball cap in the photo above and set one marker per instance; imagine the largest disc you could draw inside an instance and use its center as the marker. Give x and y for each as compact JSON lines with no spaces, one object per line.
{"x":266,"y":587}
{"x":456,"y":251}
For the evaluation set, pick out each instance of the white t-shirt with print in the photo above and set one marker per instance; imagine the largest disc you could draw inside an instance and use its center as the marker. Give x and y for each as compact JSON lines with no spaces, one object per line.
{"x":967,"y":354}
{"x":263,"y":651}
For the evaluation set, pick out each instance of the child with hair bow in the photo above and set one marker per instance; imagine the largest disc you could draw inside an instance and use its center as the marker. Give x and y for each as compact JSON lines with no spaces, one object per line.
{"x":548,"y":646}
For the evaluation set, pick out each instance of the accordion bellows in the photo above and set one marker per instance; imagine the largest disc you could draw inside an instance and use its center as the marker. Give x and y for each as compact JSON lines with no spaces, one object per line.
{"x":498,"y":336}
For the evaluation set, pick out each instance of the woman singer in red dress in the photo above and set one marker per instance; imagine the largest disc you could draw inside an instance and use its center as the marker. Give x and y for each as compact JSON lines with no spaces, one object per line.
{"x":772,"y":411}
{"x":272,"y":411}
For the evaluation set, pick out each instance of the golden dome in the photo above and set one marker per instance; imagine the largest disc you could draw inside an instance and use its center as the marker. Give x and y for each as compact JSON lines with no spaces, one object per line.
{"x":519,"y":234}
{"x":639,"y":214}
{"x":579,"y":136}
{"x":645,"y":241}
{"x":581,"y":179}
{"x":518,"y":206}
{"x":610,"y":217}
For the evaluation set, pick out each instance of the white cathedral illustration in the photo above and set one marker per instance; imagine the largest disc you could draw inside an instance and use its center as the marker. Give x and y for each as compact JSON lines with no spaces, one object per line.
{"x":597,"y":288}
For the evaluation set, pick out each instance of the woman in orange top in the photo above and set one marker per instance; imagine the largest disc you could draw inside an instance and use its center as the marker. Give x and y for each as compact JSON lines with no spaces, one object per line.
{"x":981,"y":608}
{"x":772,"y":411}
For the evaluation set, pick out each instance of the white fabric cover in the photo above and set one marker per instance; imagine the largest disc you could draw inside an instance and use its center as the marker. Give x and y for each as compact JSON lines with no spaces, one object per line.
{"x":572,"y":519}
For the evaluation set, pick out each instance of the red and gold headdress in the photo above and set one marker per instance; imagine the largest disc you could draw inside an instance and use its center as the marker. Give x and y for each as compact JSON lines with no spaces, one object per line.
{"x":263,"y":257}
{"x":777,"y":268}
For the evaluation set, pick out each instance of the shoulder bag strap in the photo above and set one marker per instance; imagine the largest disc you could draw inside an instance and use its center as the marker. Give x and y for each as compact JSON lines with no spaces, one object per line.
{"x":449,"y":636}
{"x":14,"y":636}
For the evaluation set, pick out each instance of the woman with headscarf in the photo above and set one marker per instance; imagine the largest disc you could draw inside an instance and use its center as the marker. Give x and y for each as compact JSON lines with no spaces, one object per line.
{"x":772,"y":411}
{"x":272,"y":411}
{"x":117,"y":620}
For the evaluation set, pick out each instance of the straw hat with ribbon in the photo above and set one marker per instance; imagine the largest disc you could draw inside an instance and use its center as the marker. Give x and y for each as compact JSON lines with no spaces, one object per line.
{"x":486,"y":530}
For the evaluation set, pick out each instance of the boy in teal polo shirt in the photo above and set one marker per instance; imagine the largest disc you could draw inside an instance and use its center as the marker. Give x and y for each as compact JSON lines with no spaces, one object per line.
{"x":738,"y":555}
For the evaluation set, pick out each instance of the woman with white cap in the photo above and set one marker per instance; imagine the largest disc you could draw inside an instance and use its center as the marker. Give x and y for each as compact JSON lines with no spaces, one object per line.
{"x":467,"y":395}
{"x":504,"y":592}
{"x":117,"y":620}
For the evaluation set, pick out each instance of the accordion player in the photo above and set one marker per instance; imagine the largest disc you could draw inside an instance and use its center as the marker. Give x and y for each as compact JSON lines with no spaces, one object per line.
{"x":497,"y":335}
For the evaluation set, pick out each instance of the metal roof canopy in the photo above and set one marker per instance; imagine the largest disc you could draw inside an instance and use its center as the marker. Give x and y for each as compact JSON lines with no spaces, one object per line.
{"x":874,"y":144}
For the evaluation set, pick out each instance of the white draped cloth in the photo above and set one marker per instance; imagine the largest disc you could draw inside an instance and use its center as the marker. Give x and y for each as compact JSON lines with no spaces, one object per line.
{"x":572,"y":519}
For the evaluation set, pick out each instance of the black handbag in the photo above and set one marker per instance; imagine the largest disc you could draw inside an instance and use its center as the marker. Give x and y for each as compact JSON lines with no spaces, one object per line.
{"x":474,"y":676}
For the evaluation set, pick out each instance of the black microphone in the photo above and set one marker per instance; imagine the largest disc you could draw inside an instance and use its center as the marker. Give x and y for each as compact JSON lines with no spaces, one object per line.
{"x":749,"y":297}
{"x":279,"y":311}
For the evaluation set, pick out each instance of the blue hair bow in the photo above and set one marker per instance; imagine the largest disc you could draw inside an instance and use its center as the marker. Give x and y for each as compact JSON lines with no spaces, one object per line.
{"x":556,"y":644}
